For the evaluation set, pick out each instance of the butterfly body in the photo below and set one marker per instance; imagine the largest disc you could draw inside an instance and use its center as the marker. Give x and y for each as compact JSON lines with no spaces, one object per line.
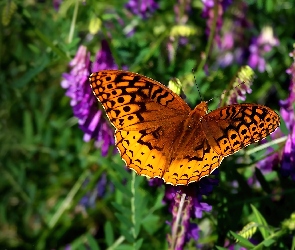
{"x":159,"y":135}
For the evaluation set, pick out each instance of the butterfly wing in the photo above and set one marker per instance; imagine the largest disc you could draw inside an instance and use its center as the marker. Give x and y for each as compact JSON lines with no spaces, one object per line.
{"x":228,"y":129}
{"x":146,"y":116}
{"x":194,"y":158}
{"x":136,"y":102}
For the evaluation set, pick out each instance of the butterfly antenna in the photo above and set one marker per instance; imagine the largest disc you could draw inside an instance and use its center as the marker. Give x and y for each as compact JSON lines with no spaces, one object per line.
{"x":222,"y":96}
{"x":194,"y":71}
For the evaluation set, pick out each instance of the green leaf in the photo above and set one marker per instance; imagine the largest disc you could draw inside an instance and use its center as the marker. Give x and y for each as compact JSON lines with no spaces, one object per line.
{"x":126,"y":232}
{"x":221,"y":248}
{"x":260,"y":4}
{"x":124,"y":247}
{"x":150,"y":223}
{"x":121,"y":208}
{"x":92,"y":242}
{"x":242,"y":241}
{"x":122,"y":188}
{"x":125,"y":221}
{"x":31,"y":73}
{"x":261,"y":221}
{"x":109,"y":233}
{"x":28,"y":127}
{"x":269,"y":6}
{"x":118,"y":169}
{"x":268,"y":242}
{"x":138,"y":244}
{"x":264,"y":184}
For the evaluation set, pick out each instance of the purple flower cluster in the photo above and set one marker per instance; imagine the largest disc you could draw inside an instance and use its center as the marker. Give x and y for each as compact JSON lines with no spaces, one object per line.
{"x":260,"y":46}
{"x":268,"y":164}
{"x":233,"y":46}
{"x":286,"y":158}
{"x":241,"y":86}
{"x":181,"y":10}
{"x":238,"y":92}
{"x":208,"y":13}
{"x":192,"y":208}
{"x":143,"y":9}
{"x":287,"y":113}
{"x":85,"y":106}
{"x":178,"y":237}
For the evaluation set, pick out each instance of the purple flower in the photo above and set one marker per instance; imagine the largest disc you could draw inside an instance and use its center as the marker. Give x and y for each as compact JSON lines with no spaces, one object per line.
{"x":85,"y":107}
{"x":287,"y":113}
{"x":230,"y":50}
{"x":156,"y":182}
{"x":56,"y":4}
{"x":208,"y":13}
{"x":192,"y":207}
{"x":240,"y":87}
{"x":233,"y":47}
{"x":260,"y":46}
{"x":180,"y":222}
{"x":268,"y":164}
{"x":234,"y":246}
{"x":181,"y":10}
{"x":144,"y":9}
{"x":89,"y":199}
{"x":104,"y":59}
{"x":286,"y":158}
{"x":239,"y":91}
{"x":192,"y":232}
{"x":287,"y":110}
{"x":200,"y":207}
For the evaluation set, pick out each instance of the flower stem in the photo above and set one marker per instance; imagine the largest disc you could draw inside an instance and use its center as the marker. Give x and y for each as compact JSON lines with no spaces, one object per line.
{"x":176,"y":225}
{"x":73,"y":24}
{"x":204,"y":57}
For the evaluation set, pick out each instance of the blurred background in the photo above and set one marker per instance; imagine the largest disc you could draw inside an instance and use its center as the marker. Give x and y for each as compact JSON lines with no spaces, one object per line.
{"x":64,"y":186}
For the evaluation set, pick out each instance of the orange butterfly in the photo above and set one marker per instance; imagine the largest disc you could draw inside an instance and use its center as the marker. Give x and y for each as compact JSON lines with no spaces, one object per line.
{"x":159,"y":135}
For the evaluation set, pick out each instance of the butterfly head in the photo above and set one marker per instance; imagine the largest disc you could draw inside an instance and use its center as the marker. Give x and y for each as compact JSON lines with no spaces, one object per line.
{"x":202,"y":108}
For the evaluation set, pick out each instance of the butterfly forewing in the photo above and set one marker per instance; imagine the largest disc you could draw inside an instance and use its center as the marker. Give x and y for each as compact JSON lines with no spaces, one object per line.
{"x":134,"y":102}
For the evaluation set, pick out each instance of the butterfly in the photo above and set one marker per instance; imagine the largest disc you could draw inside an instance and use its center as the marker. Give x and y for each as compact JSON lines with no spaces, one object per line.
{"x":159,"y":135}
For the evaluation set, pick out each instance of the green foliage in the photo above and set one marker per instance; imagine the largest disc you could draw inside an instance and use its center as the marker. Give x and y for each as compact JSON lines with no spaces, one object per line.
{"x":47,"y":169}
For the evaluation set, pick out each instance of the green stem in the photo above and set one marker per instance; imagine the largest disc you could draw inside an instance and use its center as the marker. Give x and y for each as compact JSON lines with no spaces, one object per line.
{"x":273,"y":236}
{"x":116,"y":243}
{"x":62,"y":208}
{"x":133,"y":219}
{"x":211,"y":38}
{"x":266,"y":145}
{"x":16,"y":186}
{"x":73,"y":24}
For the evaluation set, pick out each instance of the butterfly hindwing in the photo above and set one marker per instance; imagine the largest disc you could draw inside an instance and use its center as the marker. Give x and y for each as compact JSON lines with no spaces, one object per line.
{"x":231,"y":128}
